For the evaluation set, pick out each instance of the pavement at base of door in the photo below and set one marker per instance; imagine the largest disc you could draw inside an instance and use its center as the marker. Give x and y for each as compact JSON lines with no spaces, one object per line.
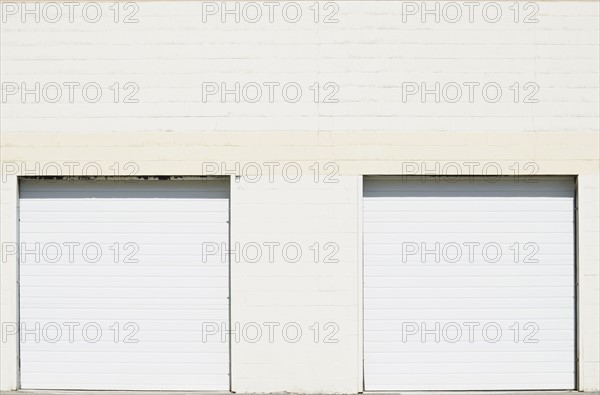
{"x":71,"y":392}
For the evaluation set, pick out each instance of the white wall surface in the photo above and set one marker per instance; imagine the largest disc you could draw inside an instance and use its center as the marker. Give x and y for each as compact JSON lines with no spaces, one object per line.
{"x":369,"y":53}
{"x":282,"y":211}
{"x":320,"y":286}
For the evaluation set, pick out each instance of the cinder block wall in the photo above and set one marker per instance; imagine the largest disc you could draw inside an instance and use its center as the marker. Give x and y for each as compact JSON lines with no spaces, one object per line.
{"x":369,"y":53}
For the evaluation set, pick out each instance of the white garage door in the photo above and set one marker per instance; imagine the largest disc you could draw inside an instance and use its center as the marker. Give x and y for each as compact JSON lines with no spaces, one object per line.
{"x":469,"y":285}
{"x":114,"y":288}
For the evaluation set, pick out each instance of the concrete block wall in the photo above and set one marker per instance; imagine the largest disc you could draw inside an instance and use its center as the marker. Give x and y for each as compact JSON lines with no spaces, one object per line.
{"x":589,"y":280}
{"x":310,"y":284}
{"x":369,"y":53}
{"x":372,"y":52}
{"x":307,"y":212}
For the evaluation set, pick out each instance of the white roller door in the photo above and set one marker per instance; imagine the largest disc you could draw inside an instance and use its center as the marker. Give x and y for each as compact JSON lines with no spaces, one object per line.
{"x":469,"y":284}
{"x":114,"y":288}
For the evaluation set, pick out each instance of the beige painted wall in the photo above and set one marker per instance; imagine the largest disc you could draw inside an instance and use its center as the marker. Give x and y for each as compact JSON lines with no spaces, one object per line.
{"x":309,"y":212}
{"x":369,"y":53}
